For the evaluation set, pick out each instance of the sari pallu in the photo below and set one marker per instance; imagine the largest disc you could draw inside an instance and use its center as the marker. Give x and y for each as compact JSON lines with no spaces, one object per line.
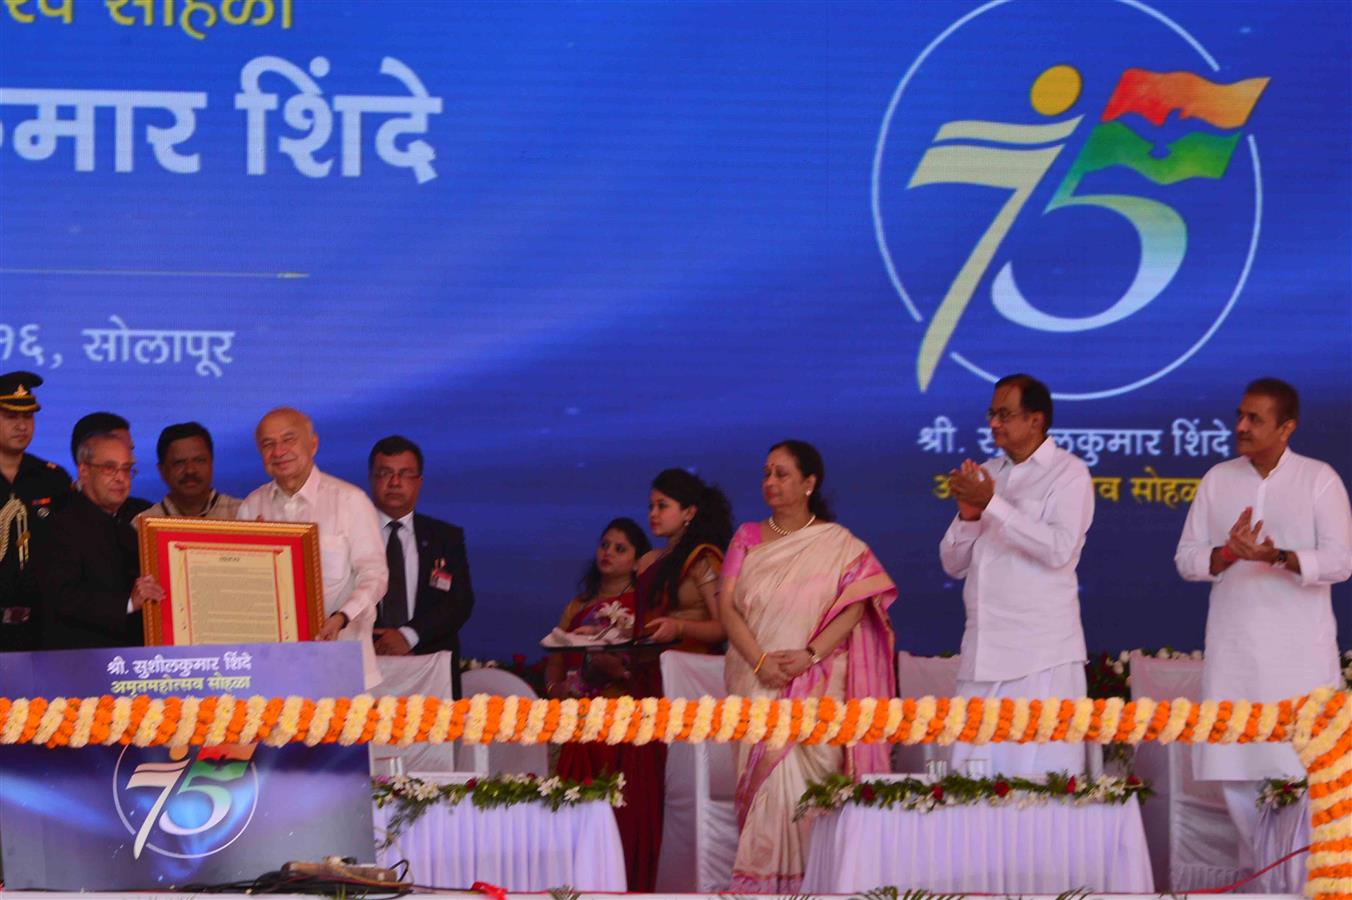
{"x":788,"y":591}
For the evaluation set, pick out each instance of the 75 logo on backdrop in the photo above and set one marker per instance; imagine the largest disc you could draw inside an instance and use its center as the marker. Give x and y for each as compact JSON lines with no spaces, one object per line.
{"x":1135,"y":177}
{"x":185,"y":806}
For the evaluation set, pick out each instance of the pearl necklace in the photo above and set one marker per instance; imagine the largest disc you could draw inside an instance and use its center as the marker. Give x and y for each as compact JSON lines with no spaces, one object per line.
{"x":785,"y":532}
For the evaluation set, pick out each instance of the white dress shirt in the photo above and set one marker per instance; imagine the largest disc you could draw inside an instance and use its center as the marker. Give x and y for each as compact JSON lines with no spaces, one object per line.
{"x":408,"y":540}
{"x":351,"y":552}
{"x":1019,"y":559}
{"x":1270,"y":632}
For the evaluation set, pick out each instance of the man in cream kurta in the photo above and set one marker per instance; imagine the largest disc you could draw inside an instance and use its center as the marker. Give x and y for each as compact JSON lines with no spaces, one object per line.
{"x":1021,"y":524}
{"x":1272,"y":531}
{"x":351,"y":554}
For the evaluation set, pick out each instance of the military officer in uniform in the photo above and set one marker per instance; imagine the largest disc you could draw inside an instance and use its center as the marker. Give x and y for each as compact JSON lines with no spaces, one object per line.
{"x":32,"y":490}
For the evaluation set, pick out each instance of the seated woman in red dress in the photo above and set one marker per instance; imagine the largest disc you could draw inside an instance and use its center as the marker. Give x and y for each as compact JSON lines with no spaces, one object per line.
{"x":608,"y":597}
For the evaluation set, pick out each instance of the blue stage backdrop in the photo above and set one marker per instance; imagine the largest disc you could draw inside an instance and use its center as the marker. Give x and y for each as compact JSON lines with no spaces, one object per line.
{"x":567,"y":245}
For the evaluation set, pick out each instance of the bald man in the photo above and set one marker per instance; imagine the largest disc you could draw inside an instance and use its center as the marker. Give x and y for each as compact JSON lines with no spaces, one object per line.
{"x":351,"y":552}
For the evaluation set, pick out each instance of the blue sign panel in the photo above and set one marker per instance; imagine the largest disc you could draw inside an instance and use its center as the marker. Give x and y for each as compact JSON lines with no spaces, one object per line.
{"x":121,"y":818}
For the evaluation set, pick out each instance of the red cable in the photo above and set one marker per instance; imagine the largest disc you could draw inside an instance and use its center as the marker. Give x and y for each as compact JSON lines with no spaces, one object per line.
{"x":1263,"y":871}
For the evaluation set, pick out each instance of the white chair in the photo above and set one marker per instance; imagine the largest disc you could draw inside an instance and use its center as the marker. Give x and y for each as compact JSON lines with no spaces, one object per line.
{"x":496,"y":759}
{"x":920,"y":676}
{"x":401,"y":676}
{"x":1193,"y":843}
{"x":699,"y":828}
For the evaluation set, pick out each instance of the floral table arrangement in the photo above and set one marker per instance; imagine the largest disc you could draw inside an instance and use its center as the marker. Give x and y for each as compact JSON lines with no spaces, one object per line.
{"x":922,"y":795}
{"x":411,"y":798}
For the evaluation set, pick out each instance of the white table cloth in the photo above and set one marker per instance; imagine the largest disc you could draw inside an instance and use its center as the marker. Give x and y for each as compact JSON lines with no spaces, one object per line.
{"x":526,"y":847}
{"x":1038,"y":849}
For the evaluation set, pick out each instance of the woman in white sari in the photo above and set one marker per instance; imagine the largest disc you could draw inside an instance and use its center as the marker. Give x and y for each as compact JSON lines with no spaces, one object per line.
{"x":805,"y":606}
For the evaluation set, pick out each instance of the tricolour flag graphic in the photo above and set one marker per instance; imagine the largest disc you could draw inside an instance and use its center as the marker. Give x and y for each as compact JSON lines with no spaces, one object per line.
{"x":1154,"y":96}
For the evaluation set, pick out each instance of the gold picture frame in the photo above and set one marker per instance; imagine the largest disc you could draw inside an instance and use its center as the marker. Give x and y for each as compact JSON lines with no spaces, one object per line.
{"x":228,"y":582}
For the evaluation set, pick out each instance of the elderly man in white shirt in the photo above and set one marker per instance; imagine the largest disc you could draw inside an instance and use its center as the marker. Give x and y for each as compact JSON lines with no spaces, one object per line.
{"x":1021,"y":524}
{"x":351,"y":554}
{"x":1272,"y":532}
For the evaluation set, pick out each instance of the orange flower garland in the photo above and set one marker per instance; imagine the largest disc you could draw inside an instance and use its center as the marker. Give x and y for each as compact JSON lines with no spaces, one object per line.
{"x":144,"y":721}
{"x":1319,"y":726}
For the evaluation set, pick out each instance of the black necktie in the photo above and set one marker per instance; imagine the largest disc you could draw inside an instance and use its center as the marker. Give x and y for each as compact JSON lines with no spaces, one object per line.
{"x":394,"y":607}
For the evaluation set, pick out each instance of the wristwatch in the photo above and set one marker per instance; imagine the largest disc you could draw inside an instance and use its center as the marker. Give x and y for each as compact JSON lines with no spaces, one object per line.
{"x":813,"y":653}
{"x":1280,"y":561}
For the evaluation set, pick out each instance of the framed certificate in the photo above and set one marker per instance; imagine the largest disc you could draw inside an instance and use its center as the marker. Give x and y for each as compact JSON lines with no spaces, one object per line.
{"x":231,"y":582}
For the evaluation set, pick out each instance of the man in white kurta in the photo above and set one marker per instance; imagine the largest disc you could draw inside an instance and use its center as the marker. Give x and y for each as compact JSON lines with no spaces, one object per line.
{"x":1272,"y":531}
{"x":1021,"y":524}
{"x":351,"y":553}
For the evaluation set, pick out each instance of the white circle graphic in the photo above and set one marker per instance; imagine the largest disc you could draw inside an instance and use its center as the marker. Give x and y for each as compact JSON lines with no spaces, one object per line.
{"x":880,"y":235}
{"x":117,"y":804}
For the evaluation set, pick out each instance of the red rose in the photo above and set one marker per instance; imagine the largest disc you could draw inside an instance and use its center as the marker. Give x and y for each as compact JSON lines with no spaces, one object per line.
{"x":587,"y":781}
{"x":1002,"y":788}
{"x":866,"y":793}
{"x":937,"y":792}
{"x":1133,"y":781}
{"x":533,"y":777}
{"x":472,"y":783}
{"x":1070,"y":785}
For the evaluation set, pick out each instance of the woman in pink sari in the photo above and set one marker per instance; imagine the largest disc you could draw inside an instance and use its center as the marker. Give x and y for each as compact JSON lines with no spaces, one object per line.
{"x":805,"y":605}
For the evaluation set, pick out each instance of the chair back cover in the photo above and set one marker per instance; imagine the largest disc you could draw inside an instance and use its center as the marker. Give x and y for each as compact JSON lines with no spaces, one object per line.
{"x":1192,"y":840}
{"x":699,"y":829}
{"x":504,"y":758}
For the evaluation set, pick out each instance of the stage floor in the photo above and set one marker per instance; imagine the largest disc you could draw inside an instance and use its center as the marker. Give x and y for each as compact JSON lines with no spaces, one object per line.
{"x":161,"y":895}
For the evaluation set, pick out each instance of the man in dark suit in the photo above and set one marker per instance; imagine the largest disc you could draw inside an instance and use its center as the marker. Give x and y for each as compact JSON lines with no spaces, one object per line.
{"x":429,"y":594}
{"x":92,"y":596}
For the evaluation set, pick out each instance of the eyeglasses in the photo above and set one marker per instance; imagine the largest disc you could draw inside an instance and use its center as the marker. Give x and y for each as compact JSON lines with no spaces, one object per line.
{"x":112,"y":469}
{"x":1004,"y":415}
{"x":179,"y":465}
{"x":402,"y":474}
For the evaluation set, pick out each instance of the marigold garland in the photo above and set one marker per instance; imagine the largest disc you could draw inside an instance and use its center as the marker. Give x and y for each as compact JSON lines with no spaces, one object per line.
{"x":1319,"y":726}
{"x":1324,"y":719}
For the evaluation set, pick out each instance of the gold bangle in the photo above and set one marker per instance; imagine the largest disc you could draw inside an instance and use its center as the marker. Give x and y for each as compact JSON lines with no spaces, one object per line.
{"x":760,"y":662}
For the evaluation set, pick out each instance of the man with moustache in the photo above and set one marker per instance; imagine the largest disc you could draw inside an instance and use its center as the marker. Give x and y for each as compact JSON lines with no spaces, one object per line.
{"x":186,"y":455}
{"x":351,"y":552}
{"x":32,"y":490}
{"x":92,"y":596}
{"x":1016,"y":540}
{"x":429,"y":596}
{"x":1272,"y":532}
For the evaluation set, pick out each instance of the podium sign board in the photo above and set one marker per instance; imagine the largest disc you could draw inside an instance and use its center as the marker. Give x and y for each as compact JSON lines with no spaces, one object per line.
{"x":127,"y":818}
